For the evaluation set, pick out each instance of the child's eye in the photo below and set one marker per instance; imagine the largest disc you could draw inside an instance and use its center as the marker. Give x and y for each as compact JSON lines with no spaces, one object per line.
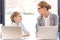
{"x":19,"y":16}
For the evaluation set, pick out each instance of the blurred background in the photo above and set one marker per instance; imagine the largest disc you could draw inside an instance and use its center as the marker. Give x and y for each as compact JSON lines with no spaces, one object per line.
{"x":28,"y":10}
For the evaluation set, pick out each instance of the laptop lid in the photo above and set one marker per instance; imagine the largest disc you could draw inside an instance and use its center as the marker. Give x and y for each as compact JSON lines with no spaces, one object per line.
{"x":9,"y":32}
{"x":47,"y":32}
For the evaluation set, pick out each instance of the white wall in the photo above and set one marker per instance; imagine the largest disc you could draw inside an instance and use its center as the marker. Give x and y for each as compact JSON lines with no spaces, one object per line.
{"x":22,"y":6}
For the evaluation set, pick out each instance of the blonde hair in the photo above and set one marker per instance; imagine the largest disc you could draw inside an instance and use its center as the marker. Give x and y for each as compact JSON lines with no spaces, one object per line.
{"x":14,"y":15}
{"x":44,"y":4}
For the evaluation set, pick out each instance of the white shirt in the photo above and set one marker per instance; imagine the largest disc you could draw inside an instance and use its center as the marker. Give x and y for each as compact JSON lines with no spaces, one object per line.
{"x":47,"y":21}
{"x":20,"y":25}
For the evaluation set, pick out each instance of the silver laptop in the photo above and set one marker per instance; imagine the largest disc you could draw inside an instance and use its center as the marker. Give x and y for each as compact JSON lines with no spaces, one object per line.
{"x":47,"y":32}
{"x":9,"y":32}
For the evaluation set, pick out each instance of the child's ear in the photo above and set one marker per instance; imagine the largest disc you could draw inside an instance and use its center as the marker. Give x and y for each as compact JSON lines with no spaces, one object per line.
{"x":14,"y":18}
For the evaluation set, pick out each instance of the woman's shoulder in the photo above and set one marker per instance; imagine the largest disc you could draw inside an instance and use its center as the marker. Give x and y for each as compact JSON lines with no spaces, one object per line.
{"x":39,"y":17}
{"x":54,"y":15}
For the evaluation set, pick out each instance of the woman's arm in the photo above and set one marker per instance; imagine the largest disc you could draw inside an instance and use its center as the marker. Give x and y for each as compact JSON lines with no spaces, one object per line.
{"x":56,"y":20}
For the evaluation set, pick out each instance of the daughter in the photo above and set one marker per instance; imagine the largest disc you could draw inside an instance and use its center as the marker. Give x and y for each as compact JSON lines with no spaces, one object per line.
{"x":16,"y":21}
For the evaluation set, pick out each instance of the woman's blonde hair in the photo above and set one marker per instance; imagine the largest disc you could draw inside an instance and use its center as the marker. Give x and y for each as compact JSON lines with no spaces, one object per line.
{"x":14,"y":15}
{"x":44,"y":4}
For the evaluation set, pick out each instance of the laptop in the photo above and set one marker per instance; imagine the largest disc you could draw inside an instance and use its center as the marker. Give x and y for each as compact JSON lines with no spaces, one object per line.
{"x":9,"y":32}
{"x":47,"y":32}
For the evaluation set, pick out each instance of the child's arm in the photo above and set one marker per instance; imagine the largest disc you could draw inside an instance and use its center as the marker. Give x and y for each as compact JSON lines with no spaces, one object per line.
{"x":26,"y":33}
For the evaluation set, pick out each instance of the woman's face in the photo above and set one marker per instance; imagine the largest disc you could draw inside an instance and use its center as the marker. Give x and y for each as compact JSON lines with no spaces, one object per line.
{"x":41,"y":10}
{"x":18,"y":18}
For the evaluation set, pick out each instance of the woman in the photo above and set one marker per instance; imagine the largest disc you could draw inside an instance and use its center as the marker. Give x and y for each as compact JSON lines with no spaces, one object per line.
{"x":16,"y":21}
{"x":45,"y":18}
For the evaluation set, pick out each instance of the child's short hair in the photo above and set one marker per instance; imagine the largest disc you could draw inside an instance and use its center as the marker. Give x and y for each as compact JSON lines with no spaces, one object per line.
{"x":14,"y":15}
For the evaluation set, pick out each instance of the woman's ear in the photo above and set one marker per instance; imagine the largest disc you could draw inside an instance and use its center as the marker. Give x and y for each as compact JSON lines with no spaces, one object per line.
{"x":45,"y":8}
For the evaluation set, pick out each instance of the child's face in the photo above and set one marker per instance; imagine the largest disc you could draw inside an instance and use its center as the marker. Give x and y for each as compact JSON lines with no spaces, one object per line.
{"x":18,"y":18}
